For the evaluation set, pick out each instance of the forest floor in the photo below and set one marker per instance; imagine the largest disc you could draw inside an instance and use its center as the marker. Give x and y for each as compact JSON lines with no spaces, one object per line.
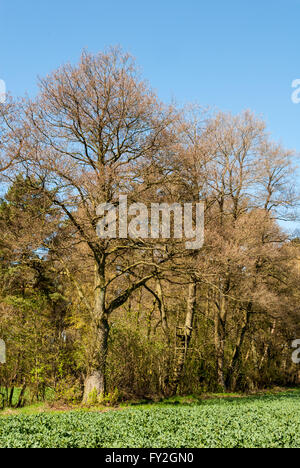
{"x":54,"y":407}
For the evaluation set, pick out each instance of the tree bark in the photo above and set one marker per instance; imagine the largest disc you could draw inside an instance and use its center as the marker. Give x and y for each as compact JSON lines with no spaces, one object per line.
{"x":162,"y":310}
{"x":220,"y":336}
{"x":233,"y":368}
{"x":96,"y":379}
{"x":267,"y":346}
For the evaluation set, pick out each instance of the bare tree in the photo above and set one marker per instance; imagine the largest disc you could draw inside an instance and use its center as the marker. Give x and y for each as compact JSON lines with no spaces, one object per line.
{"x":11,"y":135}
{"x":245,"y":181}
{"x":91,"y":128}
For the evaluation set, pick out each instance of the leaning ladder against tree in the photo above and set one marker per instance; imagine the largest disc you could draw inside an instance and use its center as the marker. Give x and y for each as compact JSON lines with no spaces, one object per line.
{"x":184,"y":335}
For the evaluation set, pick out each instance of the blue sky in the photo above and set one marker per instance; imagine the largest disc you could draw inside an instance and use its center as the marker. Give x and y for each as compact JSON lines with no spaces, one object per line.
{"x":232,"y":54}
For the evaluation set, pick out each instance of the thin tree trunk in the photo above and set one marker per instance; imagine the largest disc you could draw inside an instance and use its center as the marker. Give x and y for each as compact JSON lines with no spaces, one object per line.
{"x":220,"y":336}
{"x":20,"y":402}
{"x":232,"y":374}
{"x":11,"y":395}
{"x":162,"y":310}
{"x":220,"y":349}
{"x":267,"y":346}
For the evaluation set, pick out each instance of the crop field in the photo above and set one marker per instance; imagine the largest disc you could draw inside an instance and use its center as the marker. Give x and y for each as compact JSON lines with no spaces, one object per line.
{"x":267,"y":421}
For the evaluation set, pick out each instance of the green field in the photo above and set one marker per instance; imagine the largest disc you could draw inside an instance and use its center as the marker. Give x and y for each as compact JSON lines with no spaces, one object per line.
{"x":266,"y":421}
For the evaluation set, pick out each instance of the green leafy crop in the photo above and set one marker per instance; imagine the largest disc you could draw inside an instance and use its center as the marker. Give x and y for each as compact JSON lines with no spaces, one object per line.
{"x":270,"y":421}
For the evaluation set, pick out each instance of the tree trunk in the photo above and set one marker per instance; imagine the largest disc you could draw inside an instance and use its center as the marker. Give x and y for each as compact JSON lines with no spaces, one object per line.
{"x":233,"y":368}
{"x":95,"y":380}
{"x":21,"y":400}
{"x":267,"y":346}
{"x":220,"y":345}
{"x":162,"y":310}
{"x":220,"y":336}
{"x":184,"y":338}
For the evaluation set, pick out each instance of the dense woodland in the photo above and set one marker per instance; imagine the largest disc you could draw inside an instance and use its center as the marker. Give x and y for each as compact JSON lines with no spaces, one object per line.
{"x":141,"y":318}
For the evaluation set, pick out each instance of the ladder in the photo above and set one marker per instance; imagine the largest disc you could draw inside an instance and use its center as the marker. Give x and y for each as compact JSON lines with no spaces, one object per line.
{"x":181,"y":339}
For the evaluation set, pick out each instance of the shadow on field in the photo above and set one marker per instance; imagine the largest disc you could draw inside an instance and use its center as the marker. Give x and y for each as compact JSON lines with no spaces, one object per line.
{"x":211,"y":399}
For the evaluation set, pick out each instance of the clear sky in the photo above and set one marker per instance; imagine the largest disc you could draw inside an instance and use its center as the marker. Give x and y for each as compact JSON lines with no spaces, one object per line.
{"x":229,"y":54}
